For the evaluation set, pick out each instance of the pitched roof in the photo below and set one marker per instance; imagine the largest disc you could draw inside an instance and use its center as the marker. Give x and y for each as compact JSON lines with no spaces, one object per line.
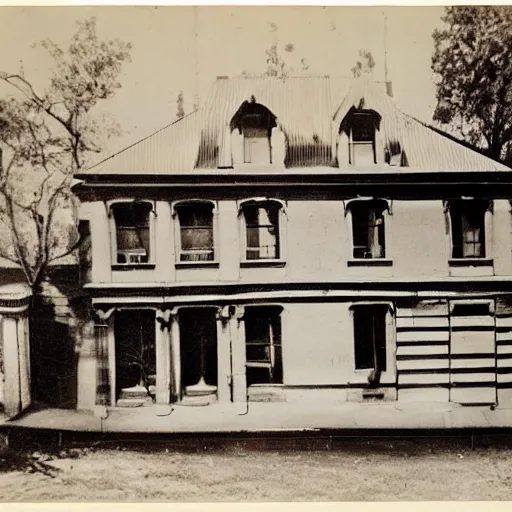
{"x":309,"y":110}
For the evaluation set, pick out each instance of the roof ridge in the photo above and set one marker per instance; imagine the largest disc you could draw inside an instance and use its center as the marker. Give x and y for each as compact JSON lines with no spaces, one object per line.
{"x":261,"y":76}
{"x":140,"y":140}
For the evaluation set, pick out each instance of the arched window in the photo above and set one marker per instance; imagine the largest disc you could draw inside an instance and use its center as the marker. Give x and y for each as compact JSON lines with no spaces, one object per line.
{"x":262,"y":230}
{"x":468,"y":223}
{"x":132,"y":225}
{"x":368,"y":229}
{"x":196,"y":241}
{"x":253,"y":123}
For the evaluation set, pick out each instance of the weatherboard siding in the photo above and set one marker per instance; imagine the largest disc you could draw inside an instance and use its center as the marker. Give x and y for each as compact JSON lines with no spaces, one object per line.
{"x":423,"y":347}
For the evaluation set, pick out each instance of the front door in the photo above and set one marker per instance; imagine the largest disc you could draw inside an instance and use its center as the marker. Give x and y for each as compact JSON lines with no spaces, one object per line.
{"x":198,"y":350}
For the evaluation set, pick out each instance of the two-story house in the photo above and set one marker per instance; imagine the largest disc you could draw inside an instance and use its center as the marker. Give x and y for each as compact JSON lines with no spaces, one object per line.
{"x":300,"y":241}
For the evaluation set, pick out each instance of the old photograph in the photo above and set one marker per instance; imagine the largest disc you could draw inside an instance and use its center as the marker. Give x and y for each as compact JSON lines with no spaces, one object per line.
{"x":255,"y":253}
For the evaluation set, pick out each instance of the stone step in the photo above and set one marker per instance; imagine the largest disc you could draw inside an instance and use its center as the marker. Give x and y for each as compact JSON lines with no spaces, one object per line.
{"x":134,"y":402}
{"x":135,"y":392}
{"x":198,"y":401}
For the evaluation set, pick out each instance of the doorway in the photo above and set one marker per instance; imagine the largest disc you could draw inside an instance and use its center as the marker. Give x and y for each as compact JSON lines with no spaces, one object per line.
{"x":135,"y":378}
{"x":198,"y":349}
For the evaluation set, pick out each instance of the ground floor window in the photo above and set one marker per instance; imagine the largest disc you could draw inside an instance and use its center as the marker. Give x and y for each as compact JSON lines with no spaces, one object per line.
{"x":370,"y":337}
{"x":134,"y":332}
{"x":263,"y":345}
{"x":198,"y":350}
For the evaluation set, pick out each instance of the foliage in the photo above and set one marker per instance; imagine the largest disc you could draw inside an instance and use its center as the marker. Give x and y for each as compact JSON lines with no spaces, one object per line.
{"x":180,"y":112}
{"x":365,"y":65}
{"x":47,"y":137}
{"x":474,"y":71}
{"x":278,"y":65}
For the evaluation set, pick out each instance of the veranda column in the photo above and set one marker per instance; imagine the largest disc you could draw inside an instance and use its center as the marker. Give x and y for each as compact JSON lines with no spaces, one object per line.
{"x":223,"y":355}
{"x":103,"y":376}
{"x":237,"y":330}
{"x":24,"y":361}
{"x":164,"y":384}
{"x":175,"y":355}
{"x":87,"y":366}
{"x":12,"y":388}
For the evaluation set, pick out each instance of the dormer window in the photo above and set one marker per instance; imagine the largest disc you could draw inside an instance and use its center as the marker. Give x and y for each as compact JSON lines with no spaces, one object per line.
{"x":362,"y":138}
{"x":132,"y":232}
{"x":252,"y":129}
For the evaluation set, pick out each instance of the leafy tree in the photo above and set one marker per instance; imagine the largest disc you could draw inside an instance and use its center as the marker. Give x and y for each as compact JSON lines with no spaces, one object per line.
{"x":365,"y":65}
{"x":46,"y":137}
{"x":474,"y":71}
{"x":278,"y":65}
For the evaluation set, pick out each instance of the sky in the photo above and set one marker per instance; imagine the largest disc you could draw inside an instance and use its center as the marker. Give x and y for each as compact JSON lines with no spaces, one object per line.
{"x":182,"y":48}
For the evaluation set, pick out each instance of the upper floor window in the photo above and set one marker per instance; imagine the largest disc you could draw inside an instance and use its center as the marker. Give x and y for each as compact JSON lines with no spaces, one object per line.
{"x":196,"y":231}
{"x":263,"y":345}
{"x":368,"y":229}
{"x":362,"y":125}
{"x":467,"y":220}
{"x":254,"y":123}
{"x":132,"y":224}
{"x":262,"y":237}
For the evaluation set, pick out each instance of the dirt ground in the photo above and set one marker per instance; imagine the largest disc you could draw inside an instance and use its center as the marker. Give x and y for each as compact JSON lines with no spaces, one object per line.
{"x":354,"y":470}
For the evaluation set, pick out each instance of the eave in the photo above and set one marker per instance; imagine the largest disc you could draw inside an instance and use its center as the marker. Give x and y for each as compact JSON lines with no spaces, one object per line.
{"x":312,"y":290}
{"x":497,"y":184}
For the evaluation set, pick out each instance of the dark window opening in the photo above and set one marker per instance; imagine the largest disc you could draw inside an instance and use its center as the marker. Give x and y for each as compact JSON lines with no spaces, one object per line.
{"x":198,"y":350}
{"x":368,"y":230}
{"x":262,"y":231}
{"x":471,"y":309}
{"x":255,"y":123}
{"x":362,"y":138}
{"x":132,"y":232}
{"x":196,"y":232}
{"x":370,"y":337}
{"x":468,"y":229}
{"x":134,"y":332}
{"x":263,"y":345}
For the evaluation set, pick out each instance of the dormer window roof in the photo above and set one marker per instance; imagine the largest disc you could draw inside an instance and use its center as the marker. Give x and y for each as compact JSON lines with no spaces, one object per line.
{"x":254,"y":123}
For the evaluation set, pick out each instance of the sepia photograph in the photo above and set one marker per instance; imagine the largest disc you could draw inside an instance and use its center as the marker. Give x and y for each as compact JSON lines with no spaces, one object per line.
{"x":255,"y":253}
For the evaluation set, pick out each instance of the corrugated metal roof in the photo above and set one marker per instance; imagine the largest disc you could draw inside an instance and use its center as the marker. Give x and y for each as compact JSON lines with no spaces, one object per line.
{"x":171,"y":150}
{"x":309,"y":111}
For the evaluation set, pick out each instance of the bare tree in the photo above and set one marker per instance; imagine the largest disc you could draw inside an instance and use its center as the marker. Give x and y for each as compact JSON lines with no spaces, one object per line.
{"x":46,"y":137}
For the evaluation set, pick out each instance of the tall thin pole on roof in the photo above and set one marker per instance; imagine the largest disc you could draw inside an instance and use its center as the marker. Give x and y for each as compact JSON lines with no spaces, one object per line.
{"x":389,"y":86}
{"x":385,"y":46}
{"x":196,"y":62}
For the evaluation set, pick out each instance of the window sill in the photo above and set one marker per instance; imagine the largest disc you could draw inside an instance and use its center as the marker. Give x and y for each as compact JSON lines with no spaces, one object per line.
{"x":370,"y":262}
{"x":197,"y":264}
{"x":257,"y":167}
{"x":133,"y":266}
{"x":470,"y":262}
{"x":262,"y":263}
